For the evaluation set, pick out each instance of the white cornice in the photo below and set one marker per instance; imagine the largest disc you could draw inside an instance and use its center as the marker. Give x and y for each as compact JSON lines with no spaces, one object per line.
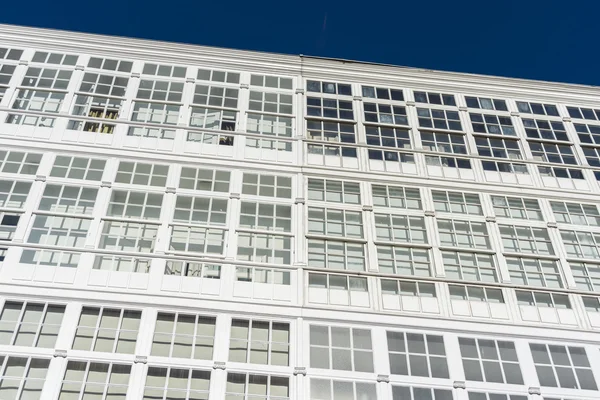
{"x":307,"y":66}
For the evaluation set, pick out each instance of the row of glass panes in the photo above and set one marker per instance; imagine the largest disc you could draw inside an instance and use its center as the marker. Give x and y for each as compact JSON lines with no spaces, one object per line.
{"x":324,"y":87}
{"x":24,"y":378}
{"x":269,"y":185}
{"x":267,"y":342}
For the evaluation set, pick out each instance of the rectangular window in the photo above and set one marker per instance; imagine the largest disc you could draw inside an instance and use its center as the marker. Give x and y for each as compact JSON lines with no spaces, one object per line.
{"x":242,"y":386}
{"x":499,"y":148}
{"x":492,"y":124}
{"x":488,"y":360}
{"x":400,"y":228}
{"x":526,"y":239}
{"x":184,"y":336}
{"x":197,"y":240}
{"x":263,"y":248}
{"x":217,"y":96}
{"x":209,"y":138}
{"x":277,"y":103}
{"x":404,"y":260}
{"x":102,"y":84}
{"x":382,"y":93}
{"x":10,"y":54}
{"x":576,"y":213}
{"x":263,"y":216}
{"x":218,"y":76}
{"x":22,"y":378}
{"x":262,"y":275}
{"x":124,"y":264}
{"x":396,"y":197}
{"x":110,"y":64}
{"x":47,"y":78}
{"x":326,"y":131}
{"x":200,"y":210}
{"x":95,"y":107}
{"x":338,"y":283}
{"x":586,"y":275}
{"x":152,"y":133}
{"x":587,"y":133}
{"x":271,"y":125}
{"x":30,"y":324}
{"x":59,"y":231}
{"x":592,"y":156}
{"x":213,"y":118}
{"x":270,"y":81}
{"x":439,"y":119}
{"x":457,"y":202}
{"x":545,"y":130}
{"x":15,"y":162}
{"x":543,"y":299}
{"x":90,"y":169}
{"x":528,"y":107}
{"x":150,"y":89}
{"x":138,"y":173}
{"x":474,"y":267}
{"x":331,"y":150}
{"x":486,"y":103}
{"x":388,"y":137}
{"x":469,"y":234}
{"x":68,"y":199}
{"x":335,"y":254}
{"x":168,"y":71}
{"x":128,"y":236}
{"x":13,"y":193}
{"x":416,"y":354}
{"x":476,"y":293}
{"x":497,"y":396}
{"x":155,"y":113}
{"x":444,"y":142}
{"x":101,"y":381}
{"x":421,"y":393}
{"x":50,"y":258}
{"x":580,"y":244}
{"x":435,"y":98}
{"x":450,"y":162}
{"x":109,"y":330}
{"x":553,"y":153}
{"x":339,"y":348}
{"x":329,"y":88}
{"x":259,"y":342}
{"x":176,"y":383}
{"x":204,"y":179}
{"x":517,"y":207}
{"x":534,"y":272}
{"x":8,"y":225}
{"x":334,"y":191}
{"x":584,"y":113}
{"x":556,"y":172}
{"x":6,"y":72}
{"x":562,"y":366}
{"x":385,"y":114}
{"x":331,"y":222}
{"x":325,"y":389}
{"x":329,"y":108}
{"x":87,"y":126}
{"x":267,"y":185}
{"x":408,"y":288}
{"x":131,"y":204}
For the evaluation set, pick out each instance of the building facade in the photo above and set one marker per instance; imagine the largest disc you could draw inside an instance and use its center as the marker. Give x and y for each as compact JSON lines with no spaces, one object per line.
{"x":181,"y":222}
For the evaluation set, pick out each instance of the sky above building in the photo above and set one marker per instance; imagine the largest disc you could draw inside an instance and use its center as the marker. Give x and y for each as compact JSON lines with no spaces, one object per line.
{"x":535,"y":39}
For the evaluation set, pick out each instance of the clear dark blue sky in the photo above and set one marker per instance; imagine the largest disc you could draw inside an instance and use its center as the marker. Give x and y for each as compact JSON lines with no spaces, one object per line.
{"x":552,"y":40}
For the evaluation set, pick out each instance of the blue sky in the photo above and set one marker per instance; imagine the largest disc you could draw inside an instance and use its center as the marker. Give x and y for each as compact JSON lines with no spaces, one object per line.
{"x":548,"y":40}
